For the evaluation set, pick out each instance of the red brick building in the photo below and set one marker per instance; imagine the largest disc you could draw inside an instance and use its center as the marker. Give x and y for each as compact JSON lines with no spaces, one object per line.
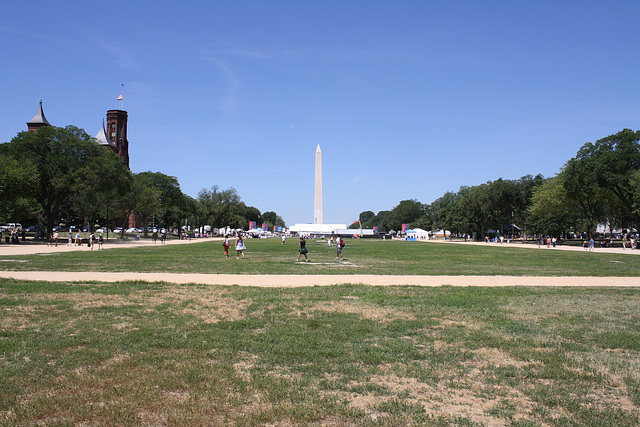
{"x":113,"y":136}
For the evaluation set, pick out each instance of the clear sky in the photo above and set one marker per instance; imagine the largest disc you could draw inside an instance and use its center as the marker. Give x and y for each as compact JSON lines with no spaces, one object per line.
{"x":407,"y":99}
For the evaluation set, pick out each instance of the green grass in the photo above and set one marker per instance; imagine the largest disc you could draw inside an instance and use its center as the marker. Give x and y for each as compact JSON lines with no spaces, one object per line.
{"x":162,"y":354}
{"x":269,"y":256}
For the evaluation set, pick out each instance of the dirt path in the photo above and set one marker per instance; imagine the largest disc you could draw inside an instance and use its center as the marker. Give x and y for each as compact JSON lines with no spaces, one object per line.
{"x":300,"y":280}
{"x":30,"y":247}
{"x":319,"y":280}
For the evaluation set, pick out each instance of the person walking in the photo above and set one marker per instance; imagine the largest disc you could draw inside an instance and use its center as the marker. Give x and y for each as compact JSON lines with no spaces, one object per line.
{"x":240,"y":247}
{"x":100,"y":241}
{"x":226,"y":244}
{"x":339,"y":246}
{"x":303,"y":249}
{"x":70,"y":242}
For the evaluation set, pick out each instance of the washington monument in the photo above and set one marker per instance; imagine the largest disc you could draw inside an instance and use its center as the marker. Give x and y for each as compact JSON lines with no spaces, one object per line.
{"x":317,"y":202}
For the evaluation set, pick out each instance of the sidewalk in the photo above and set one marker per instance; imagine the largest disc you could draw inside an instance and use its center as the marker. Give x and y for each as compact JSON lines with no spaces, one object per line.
{"x":30,"y":247}
{"x":518,"y":244}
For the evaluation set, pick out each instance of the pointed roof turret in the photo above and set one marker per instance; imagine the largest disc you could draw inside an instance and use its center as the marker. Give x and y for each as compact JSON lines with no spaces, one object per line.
{"x":101,"y":138}
{"x":38,"y":120}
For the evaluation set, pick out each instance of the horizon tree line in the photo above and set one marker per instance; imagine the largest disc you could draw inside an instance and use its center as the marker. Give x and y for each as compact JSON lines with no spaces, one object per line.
{"x":62,"y":176}
{"x":600,"y":185}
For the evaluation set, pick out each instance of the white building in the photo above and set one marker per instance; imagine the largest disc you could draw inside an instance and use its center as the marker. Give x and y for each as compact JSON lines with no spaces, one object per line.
{"x":317,"y":229}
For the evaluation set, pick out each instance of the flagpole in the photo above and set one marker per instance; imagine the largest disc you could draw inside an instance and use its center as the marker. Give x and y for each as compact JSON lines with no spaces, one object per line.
{"x":122,"y":95}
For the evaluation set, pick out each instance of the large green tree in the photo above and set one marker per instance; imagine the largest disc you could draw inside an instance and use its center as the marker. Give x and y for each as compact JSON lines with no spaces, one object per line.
{"x":447,"y":213}
{"x":407,"y":211}
{"x":171,"y":210}
{"x":365,"y":217}
{"x":142,"y":198}
{"x":17,"y":184}
{"x":475,"y":206}
{"x":96,"y":191}
{"x":66,"y":161}
{"x":550,"y":211}
{"x":223,"y":208}
{"x":381,"y":220}
{"x":271,"y":218}
{"x":579,"y":178}
{"x":613,"y":162}
{"x":525,"y":187}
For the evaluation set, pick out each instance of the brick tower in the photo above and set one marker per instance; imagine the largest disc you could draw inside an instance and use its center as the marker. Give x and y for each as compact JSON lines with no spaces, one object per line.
{"x":117,"y":132}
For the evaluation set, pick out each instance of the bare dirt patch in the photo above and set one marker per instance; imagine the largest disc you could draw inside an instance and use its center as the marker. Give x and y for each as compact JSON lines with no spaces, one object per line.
{"x":210,"y":305}
{"x":366,"y":311}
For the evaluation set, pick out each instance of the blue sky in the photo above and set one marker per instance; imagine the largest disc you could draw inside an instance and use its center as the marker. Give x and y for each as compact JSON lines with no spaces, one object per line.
{"x":407,"y":99}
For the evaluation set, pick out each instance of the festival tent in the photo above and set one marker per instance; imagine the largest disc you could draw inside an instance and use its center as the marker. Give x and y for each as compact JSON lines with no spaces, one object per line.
{"x":441,"y":233}
{"x":417,"y":233}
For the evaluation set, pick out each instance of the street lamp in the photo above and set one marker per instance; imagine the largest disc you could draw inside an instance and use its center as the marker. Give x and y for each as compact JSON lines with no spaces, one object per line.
{"x":513,"y":226}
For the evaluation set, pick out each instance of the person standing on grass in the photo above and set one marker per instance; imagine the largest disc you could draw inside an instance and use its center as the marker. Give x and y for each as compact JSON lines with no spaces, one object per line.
{"x":240,"y":247}
{"x":303,"y":249}
{"x":226,"y":245}
{"x":339,"y":246}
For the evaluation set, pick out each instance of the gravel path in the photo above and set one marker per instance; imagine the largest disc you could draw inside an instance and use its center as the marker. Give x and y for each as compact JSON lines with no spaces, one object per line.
{"x":301,"y":280}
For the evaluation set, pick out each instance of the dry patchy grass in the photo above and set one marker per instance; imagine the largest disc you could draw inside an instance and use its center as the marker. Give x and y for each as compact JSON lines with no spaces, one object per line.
{"x":195,"y":355}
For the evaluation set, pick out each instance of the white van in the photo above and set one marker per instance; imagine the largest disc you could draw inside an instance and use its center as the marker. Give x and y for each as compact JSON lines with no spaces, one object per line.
{"x":11,"y":226}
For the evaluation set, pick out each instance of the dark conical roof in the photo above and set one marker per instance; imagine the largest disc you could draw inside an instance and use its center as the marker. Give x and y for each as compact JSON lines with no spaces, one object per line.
{"x":39,"y":118}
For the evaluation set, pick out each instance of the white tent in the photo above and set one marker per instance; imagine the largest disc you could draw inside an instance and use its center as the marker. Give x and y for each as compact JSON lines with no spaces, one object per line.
{"x":417,"y":233}
{"x":441,"y":233}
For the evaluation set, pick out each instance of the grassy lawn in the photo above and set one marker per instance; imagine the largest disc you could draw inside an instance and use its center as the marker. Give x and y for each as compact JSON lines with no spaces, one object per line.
{"x":269,"y":256}
{"x":162,"y":354}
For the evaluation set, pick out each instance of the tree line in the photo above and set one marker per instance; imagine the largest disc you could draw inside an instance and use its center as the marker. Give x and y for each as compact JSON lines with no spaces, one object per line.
{"x":61,"y":175}
{"x":600,"y":185}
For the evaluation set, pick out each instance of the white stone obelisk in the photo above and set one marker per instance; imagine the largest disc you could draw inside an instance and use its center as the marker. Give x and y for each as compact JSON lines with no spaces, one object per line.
{"x":317,"y":202}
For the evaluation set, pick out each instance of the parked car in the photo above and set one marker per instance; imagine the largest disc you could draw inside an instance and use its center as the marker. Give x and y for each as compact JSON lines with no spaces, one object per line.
{"x":11,"y":226}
